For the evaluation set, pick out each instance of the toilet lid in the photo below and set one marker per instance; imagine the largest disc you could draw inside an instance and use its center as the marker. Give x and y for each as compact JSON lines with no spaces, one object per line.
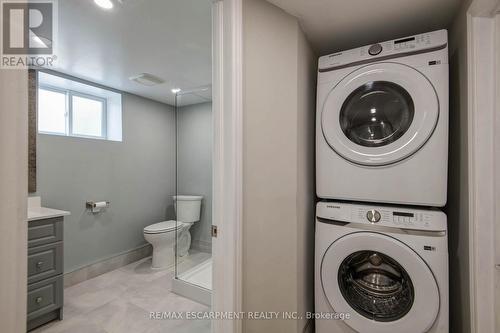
{"x":162,"y":227}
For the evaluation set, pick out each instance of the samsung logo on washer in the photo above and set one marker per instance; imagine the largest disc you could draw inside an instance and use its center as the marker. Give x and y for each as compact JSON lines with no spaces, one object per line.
{"x":331,"y":206}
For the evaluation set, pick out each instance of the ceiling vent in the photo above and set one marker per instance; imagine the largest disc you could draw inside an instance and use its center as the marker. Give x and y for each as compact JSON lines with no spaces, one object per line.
{"x":146,"y":79}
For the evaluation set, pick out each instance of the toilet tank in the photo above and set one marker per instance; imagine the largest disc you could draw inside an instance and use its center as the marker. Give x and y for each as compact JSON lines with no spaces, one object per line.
{"x":188,"y":207}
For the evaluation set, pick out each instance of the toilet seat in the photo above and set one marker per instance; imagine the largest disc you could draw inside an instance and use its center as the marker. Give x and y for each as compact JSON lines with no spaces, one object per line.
{"x":162,"y":227}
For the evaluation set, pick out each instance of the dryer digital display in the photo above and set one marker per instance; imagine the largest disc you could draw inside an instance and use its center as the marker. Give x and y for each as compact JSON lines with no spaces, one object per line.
{"x":400,"y":41}
{"x":403,"y":214}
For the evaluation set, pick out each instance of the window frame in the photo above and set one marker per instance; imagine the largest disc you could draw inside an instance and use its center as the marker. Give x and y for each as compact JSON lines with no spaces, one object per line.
{"x":104,"y":115}
{"x":57,"y":90}
{"x":69,"y":93}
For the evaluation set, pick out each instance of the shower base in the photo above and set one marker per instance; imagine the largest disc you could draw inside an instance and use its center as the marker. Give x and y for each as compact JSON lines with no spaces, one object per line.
{"x":195,"y":283}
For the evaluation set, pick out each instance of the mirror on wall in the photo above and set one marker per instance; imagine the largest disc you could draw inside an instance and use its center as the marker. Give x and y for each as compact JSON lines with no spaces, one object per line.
{"x":32,"y":129}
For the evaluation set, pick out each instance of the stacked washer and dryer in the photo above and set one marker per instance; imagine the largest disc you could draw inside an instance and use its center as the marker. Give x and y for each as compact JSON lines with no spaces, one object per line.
{"x":382,"y":157}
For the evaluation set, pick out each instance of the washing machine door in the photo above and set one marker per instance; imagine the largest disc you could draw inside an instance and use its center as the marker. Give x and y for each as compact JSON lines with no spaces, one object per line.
{"x":380,"y":114}
{"x":381,"y":283}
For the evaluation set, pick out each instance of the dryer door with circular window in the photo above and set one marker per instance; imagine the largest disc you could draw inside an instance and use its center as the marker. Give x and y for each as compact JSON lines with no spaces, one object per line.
{"x":380,"y":114}
{"x":381,"y":283}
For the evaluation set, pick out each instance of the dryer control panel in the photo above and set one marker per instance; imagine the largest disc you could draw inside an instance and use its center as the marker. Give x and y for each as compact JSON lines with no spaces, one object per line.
{"x":422,"y":43}
{"x":388,"y":216}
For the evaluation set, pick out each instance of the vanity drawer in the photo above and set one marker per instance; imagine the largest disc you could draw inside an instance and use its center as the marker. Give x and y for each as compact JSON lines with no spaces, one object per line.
{"x":45,"y":231}
{"x":45,"y":296}
{"x":45,"y":261}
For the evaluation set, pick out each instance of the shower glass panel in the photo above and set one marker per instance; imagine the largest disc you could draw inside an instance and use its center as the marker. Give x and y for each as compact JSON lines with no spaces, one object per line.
{"x":193,"y":200}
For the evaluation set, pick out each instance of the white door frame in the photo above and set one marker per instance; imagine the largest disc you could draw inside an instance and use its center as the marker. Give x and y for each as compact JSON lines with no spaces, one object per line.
{"x":13,"y":199}
{"x":497,"y":177}
{"x":483,"y":78}
{"x":227,"y":162}
{"x":228,"y":143}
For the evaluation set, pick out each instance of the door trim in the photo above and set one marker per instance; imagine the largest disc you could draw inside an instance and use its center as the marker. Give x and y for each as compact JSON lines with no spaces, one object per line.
{"x":482,"y":140}
{"x":13,"y":198}
{"x":227,"y":161}
{"x":496,"y":167}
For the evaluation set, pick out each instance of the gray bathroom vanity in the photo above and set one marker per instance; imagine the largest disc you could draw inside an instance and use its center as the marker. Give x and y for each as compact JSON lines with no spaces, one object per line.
{"x":45,"y":264}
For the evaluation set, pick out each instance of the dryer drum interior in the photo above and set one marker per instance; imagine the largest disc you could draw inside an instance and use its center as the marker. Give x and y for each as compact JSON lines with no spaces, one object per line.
{"x":377,"y":114}
{"x":376,"y":286}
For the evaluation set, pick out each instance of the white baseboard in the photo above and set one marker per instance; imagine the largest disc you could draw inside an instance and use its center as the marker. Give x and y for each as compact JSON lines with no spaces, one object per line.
{"x":106,"y":265}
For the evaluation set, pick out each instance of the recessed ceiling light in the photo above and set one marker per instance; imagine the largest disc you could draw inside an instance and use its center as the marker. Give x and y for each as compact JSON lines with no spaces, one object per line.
{"x":175,"y":90}
{"x":146,"y":79}
{"x":105,"y":4}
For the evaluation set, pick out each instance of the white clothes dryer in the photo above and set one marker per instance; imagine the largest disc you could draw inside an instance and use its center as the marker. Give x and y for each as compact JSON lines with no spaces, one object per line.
{"x":382,"y":122}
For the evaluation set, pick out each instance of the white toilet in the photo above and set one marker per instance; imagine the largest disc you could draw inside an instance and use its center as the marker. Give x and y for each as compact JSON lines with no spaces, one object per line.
{"x":162,"y":235}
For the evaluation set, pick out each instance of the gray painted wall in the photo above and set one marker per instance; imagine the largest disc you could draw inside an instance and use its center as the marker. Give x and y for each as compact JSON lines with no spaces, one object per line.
{"x":194,"y":173}
{"x":137,"y":176}
{"x":279,"y":73}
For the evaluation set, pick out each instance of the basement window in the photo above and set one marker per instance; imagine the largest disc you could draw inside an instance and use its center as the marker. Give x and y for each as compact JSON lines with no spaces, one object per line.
{"x":70,"y":107}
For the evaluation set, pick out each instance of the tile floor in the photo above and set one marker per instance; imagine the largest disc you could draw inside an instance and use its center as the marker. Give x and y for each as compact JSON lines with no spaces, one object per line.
{"x":121,"y":301}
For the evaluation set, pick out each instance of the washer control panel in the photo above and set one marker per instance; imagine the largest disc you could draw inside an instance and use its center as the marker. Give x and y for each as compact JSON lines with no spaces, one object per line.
{"x":375,"y":49}
{"x":395,"y":217}
{"x":426,"y":42}
{"x":373,"y":216}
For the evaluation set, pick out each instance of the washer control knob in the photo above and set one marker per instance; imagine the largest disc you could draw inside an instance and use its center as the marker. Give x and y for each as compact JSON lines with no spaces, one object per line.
{"x":373,"y":216}
{"x":375,"y":49}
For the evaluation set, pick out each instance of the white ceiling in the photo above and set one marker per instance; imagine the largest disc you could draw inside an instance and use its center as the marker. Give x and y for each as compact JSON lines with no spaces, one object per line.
{"x":170,"y":39}
{"x":336,"y":25}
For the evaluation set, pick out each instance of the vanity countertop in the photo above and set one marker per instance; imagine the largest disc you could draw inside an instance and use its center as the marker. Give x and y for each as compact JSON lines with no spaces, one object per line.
{"x":37,"y":212}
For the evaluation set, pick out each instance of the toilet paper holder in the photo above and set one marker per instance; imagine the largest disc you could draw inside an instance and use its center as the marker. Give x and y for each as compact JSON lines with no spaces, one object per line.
{"x":96,"y":206}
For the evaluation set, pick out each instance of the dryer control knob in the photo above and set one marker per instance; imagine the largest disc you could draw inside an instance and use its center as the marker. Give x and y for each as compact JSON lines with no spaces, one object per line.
{"x":373,"y":216}
{"x":375,"y":49}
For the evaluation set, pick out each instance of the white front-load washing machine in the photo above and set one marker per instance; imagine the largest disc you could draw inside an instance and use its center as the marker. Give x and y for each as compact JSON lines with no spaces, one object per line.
{"x":380,"y":269}
{"x":382,"y":122}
